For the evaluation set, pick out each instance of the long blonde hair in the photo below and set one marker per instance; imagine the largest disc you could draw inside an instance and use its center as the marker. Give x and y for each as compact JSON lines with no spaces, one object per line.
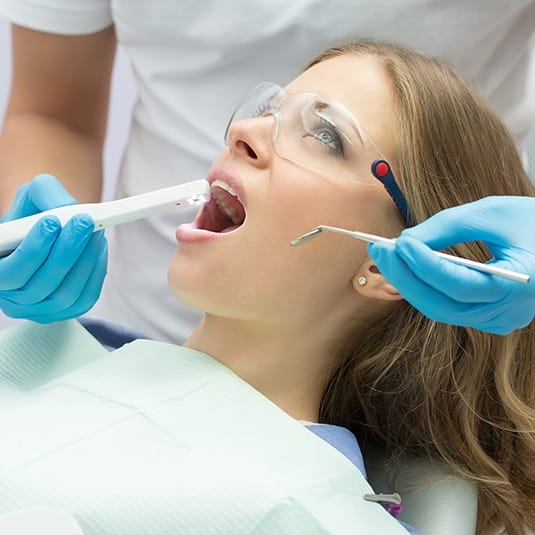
{"x":425,"y":388}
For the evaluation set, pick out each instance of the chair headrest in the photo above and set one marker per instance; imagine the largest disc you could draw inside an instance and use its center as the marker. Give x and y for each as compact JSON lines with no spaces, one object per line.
{"x":435,"y":501}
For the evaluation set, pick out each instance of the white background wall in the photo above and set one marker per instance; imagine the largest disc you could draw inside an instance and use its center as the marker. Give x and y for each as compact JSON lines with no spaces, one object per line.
{"x":122,"y":97}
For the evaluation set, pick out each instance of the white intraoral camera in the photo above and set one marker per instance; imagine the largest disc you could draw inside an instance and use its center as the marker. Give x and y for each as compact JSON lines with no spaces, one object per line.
{"x":111,"y":213}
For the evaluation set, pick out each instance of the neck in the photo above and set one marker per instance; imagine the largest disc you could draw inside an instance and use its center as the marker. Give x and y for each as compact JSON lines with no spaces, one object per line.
{"x":285,"y":365}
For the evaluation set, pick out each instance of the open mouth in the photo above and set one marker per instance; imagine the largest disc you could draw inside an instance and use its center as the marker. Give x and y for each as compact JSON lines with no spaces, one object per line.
{"x":224,"y":212}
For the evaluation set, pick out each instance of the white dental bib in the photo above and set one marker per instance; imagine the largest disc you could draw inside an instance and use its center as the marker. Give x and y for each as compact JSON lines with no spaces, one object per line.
{"x":155,"y":438}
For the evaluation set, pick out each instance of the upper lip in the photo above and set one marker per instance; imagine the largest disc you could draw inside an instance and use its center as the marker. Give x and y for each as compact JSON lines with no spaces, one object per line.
{"x":230,"y":177}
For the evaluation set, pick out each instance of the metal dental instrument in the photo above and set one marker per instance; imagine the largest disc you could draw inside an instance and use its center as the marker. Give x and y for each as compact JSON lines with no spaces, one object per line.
{"x":111,"y":213}
{"x":504,"y":273}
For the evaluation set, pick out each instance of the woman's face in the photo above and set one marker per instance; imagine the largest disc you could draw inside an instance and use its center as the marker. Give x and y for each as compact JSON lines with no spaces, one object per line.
{"x":251,"y":272}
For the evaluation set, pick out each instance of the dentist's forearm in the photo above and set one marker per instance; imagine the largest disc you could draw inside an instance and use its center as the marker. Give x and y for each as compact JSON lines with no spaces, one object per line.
{"x":33,"y":143}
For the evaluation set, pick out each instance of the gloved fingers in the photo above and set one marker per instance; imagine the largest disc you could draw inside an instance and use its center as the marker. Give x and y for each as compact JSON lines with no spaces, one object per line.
{"x":44,"y":192}
{"x":86,"y":300}
{"x":420,"y":295}
{"x":65,"y":252}
{"x":500,"y":317}
{"x":492,"y":220}
{"x":78,"y":291}
{"x":47,"y":192}
{"x":85,"y":278}
{"x":460,"y":283}
{"x":503,"y":324}
{"x":18,"y":268}
{"x":426,"y":299}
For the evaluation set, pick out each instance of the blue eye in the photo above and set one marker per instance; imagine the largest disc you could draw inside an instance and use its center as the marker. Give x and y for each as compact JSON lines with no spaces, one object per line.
{"x":328,"y":136}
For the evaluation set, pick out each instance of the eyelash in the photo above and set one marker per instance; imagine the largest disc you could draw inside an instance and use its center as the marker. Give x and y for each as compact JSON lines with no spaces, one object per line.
{"x":339,"y":150}
{"x":261,"y":108}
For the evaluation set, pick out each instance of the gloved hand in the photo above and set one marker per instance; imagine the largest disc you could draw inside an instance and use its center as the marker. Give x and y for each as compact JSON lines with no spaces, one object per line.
{"x":450,"y":293}
{"x":55,"y":273}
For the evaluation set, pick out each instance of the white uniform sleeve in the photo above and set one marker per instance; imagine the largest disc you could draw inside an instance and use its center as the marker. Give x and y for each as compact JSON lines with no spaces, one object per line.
{"x":67,"y":17}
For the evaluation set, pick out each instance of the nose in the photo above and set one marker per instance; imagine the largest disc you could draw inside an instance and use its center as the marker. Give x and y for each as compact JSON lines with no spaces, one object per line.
{"x":251,"y":139}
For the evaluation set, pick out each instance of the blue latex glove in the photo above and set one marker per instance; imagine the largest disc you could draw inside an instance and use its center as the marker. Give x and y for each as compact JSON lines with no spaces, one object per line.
{"x":454,"y":294}
{"x":55,"y":273}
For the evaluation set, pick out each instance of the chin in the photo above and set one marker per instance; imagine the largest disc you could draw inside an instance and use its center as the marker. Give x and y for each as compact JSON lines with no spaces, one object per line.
{"x":186,"y":298}
{"x":178,"y":281}
{"x":188,"y":285}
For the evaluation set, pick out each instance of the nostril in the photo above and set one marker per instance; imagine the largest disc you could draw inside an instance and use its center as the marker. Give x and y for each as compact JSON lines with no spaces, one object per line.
{"x":250,"y":152}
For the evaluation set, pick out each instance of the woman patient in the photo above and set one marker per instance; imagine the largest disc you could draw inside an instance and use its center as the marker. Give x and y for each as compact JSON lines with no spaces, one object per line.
{"x":316,"y":329}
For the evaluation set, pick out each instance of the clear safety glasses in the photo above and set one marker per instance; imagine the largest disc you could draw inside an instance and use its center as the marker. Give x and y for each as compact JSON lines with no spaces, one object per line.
{"x":320,"y":135}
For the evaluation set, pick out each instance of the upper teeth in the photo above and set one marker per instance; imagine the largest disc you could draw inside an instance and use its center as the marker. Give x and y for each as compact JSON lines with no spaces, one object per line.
{"x":230,"y":206}
{"x":225,"y":186}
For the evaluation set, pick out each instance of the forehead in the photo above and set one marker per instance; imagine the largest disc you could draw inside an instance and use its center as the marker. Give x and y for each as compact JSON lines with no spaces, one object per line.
{"x":362,"y":85}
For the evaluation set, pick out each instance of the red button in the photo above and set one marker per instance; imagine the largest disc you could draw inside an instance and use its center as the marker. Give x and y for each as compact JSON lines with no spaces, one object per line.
{"x":382,"y":169}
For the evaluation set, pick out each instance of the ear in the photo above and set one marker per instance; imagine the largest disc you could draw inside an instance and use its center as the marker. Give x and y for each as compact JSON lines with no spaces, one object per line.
{"x":369,"y":282}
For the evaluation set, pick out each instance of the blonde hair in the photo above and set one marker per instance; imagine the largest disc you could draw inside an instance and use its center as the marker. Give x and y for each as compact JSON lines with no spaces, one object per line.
{"x":424,"y":388}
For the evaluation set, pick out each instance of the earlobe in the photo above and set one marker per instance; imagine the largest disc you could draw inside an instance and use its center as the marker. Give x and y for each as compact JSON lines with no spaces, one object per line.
{"x":369,"y":282}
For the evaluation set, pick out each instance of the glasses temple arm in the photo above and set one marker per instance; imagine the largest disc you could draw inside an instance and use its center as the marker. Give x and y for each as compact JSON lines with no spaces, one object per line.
{"x":382,"y":171}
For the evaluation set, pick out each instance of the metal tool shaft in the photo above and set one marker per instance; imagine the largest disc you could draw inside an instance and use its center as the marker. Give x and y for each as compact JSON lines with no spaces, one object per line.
{"x":504,"y":273}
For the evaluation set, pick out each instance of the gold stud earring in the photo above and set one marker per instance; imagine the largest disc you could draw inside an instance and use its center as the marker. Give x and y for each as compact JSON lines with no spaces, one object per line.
{"x":362,"y":280}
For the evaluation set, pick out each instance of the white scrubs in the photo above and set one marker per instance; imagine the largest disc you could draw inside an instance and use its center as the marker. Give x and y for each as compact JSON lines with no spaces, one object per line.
{"x":192,"y":62}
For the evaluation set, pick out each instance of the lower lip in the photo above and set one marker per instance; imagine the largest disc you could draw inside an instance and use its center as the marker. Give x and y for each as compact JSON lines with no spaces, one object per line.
{"x":188,"y":233}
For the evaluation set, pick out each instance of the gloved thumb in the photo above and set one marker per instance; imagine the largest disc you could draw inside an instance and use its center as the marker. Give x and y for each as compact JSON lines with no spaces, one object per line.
{"x":44,"y":192}
{"x":494,"y":220}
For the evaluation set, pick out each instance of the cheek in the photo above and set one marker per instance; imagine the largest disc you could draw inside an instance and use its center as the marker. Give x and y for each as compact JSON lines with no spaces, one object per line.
{"x":329,"y":260}
{"x":259,"y":273}
{"x":298,"y":208}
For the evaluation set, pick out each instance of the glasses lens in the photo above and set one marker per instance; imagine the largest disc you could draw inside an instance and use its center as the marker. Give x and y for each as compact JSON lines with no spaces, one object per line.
{"x":318,"y":134}
{"x":311,"y":131}
{"x":255,"y":103}
{"x":324,"y":137}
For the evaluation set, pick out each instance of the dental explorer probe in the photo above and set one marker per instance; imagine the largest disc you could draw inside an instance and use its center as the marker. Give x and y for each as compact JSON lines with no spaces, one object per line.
{"x":111,"y":213}
{"x":504,"y":273}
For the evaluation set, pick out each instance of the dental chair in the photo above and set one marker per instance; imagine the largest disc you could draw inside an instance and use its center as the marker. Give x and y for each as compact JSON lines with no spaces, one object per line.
{"x":435,"y":501}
